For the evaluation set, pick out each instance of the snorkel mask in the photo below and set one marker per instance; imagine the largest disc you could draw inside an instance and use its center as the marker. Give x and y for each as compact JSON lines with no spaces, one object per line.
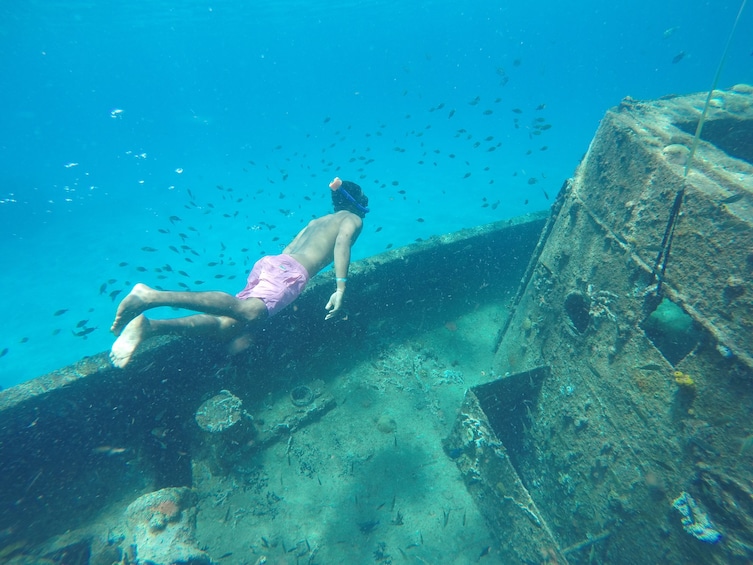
{"x":337,"y":186}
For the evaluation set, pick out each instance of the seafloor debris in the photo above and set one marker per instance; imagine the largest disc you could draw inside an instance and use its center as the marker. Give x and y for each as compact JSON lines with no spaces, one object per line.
{"x":694,"y":520}
{"x":162,"y":526}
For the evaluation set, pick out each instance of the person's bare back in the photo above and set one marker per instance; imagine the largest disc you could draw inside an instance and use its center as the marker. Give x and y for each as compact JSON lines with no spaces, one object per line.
{"x":317,"y":245}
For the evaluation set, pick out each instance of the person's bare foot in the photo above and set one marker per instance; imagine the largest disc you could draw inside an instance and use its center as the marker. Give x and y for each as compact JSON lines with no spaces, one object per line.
{"x":131,"y":306}
{"x":240,"y":343}
{"x":132,"y":335}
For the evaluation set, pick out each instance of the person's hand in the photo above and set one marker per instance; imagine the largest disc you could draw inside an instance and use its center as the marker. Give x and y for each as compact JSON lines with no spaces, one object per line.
{"x":335,"y":184}
{"x":334,"y":304}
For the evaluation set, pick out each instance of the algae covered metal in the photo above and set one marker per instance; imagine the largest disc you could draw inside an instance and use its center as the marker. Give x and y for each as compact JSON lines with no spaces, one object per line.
{"x":639,"y":301}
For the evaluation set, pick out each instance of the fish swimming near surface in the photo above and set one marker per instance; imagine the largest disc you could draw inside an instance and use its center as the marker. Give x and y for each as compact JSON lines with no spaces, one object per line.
{"x":670,"y":32}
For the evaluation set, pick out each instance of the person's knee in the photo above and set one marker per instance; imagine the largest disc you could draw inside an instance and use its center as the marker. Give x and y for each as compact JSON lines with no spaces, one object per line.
{"x":228,"y":324}
{"x":252,"y":310}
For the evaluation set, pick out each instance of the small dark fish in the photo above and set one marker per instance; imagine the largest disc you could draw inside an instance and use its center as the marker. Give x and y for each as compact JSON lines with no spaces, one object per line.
{"x":540,"y":106}
{"x":81,"y":323}
{"x":327,"y":119}
{"x":83,"y":333}
{"x":368,"y":526}
{"x":378,"y":229}
{"x":452,"y":113}
{"x":679,"y":57}
{"x":517,"y":111}
{"x":185,"y":274}
{"x":485,"y":551}
{"x":488,"y":112}
{"x":526,"y":202}
{"x":420,"y":220}
{"x":56,"y":331}
{"x":4,"y":352}
{"x":545,"y":194}
{"x":466,"y":175}
{"x":60,"y":312}
{"x":148,"y":249}
{"x":517,"y":62}
{"x":23,"y":340}
{"x":103,"y":288}
{"x":174,"y":219}
{"x":141,"y":269}
{"x":533,"y":180}
{"x":733,"y":198}
{"x":122,"y":264}
{"x":114,"y":294}
{"x":163,"y":230}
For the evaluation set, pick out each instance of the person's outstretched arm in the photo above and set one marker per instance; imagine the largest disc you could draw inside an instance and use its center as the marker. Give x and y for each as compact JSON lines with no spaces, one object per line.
{"x":349,"y":232}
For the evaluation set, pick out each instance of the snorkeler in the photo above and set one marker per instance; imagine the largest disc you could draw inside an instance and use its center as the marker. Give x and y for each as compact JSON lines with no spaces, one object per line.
{"x":274,"y":282}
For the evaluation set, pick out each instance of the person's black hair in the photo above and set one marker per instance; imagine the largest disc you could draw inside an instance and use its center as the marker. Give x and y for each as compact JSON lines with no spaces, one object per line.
{"x":359,"y":204}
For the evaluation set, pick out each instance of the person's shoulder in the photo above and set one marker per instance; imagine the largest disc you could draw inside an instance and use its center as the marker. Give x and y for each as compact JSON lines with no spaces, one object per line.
{"x":355,"y":220}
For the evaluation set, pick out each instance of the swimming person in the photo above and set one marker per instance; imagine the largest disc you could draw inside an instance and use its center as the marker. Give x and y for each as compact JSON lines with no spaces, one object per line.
{"x":274,"y":282}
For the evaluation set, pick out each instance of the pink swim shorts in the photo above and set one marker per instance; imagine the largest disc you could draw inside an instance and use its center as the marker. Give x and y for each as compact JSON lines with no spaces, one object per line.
{"x":276,"y":280}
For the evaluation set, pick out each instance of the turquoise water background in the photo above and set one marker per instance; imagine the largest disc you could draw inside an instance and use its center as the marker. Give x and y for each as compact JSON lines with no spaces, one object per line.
{"x":233,"y":116}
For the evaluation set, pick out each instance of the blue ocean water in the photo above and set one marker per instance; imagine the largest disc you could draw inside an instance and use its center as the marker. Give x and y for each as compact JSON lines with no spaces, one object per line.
{"x":147,"y":138}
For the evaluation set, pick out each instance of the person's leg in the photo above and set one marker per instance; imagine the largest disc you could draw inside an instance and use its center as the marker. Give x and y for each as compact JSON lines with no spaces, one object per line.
{"x":224,"y":328}
{"x":143,"y":298}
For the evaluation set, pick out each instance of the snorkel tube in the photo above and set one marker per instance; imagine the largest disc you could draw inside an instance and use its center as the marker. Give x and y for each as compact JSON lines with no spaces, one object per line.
{"x":336,"y":186}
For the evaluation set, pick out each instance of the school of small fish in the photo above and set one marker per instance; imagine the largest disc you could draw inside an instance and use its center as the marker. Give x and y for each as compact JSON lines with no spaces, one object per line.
{"x":183,"y":241}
